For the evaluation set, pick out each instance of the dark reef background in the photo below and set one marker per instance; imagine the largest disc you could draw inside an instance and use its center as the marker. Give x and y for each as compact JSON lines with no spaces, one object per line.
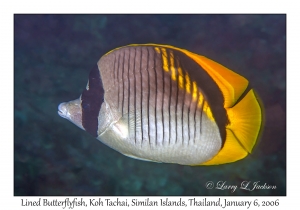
{"x":53,"y":55}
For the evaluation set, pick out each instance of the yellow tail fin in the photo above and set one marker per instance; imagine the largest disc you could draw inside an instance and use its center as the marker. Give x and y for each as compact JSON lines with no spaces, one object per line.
{"x":242,"y":132}
{"x":245,"y":120}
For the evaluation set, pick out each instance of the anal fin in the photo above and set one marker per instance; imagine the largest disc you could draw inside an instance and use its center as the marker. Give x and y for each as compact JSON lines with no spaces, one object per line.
{"x":231,"y":151}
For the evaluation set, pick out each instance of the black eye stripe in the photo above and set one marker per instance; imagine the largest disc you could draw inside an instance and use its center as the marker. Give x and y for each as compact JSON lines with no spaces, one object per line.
{"x":91,"y":102}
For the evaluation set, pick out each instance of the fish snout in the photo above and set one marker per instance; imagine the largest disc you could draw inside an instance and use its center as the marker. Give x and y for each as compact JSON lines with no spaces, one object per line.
{"x":62,"y":110}
{"x":71,"y":111}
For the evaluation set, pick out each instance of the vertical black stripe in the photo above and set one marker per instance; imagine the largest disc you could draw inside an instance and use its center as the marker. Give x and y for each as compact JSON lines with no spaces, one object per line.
{"x":118,"y":81}
{"x":123,"y":98}
{"x":201,"y":111}
{"x":128,"y":95}
{"x":141,"y":83}
{"x":148,"y":97}
{"x":114,"y":69}
{"x":182,"y":102}
{"x":177,"y":94}
{"x":134,"y":95}
{"x":188,"y":114}
{"x":90,"y":106}
{"x":162,"y":101}
{"x":155,"y":74}
{"x":170,"y":95}
{"x":182,"y":110}
{"x":195,"y":112}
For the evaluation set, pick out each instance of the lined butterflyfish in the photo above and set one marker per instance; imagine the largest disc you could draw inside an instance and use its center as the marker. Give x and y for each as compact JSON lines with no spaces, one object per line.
{"x":165,"y":104}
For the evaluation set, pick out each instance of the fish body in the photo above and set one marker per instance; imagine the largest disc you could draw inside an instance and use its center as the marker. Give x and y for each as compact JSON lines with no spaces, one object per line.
{"x":165,"y":104}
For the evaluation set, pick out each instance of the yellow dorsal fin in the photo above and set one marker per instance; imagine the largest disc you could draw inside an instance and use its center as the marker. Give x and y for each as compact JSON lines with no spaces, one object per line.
{"x":245,"y":120}
{"x":231,"y":84}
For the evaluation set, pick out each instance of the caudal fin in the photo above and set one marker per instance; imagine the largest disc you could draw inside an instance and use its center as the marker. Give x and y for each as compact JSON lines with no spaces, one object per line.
{"x":245,"y":120}
{"x":242,"y":132}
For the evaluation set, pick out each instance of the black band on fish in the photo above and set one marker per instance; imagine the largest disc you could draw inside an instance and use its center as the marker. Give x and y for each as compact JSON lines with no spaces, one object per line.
{"x":209,"y":88}
{"x":92,"y":98}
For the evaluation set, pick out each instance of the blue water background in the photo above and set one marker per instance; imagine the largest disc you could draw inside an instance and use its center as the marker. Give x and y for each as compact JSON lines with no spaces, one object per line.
{"x":53,"y":55}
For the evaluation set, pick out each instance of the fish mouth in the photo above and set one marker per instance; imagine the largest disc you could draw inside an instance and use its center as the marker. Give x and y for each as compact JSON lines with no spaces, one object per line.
{"x":62,"y":110}
{"x":60,"y":113}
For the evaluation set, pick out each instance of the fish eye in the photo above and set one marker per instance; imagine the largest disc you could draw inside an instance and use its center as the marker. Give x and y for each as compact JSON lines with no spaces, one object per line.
{"x":86,"y":106}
